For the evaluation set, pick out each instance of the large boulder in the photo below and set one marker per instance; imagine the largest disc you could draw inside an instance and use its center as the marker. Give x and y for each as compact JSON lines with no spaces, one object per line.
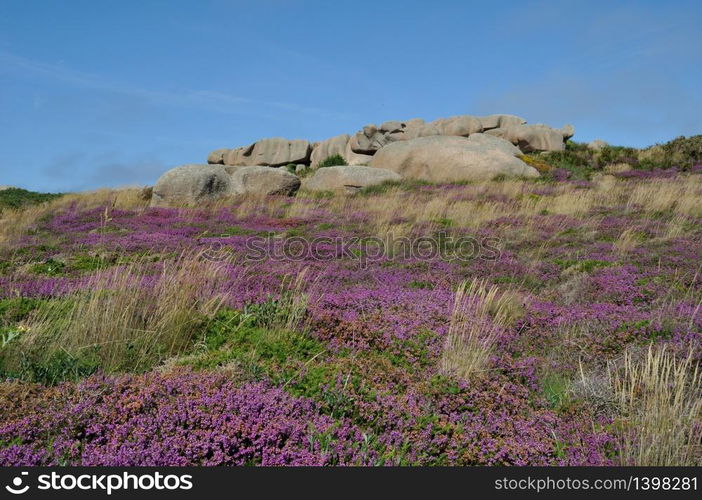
{"x":190,"y":184}
{"x":463,"y":125}
{"x":333,"y":146}
{"x":273,"y":152}
{"x":420,"y":130}
{"x":450,"y":159}
{"x":339,"y":145}
{"x":501,"y":121}
{"x":216,"y":157}
{"x":348,"y":178}
{"x":488,"y":141}
{"x":264,"y":180}
{"x":534,"y":137}
{"x":238,"y":156}
{"x":368,"y":141}
{"x":353,"y":158}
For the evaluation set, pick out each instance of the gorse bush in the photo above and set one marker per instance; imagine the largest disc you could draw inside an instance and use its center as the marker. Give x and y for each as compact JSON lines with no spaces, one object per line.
{"x":332,"y":161}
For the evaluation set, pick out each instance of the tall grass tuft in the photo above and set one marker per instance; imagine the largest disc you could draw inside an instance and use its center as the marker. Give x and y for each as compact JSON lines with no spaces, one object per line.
{"x":132,"y":317}
{"x":478,"y":315}
{"x":289,"y":310}
{"x":660,"y":399}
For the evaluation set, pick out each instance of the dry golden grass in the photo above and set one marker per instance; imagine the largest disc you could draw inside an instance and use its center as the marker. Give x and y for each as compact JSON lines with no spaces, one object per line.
{"x":293,"y":302}
{"x":15,"y":223}
{"x":398,"y":210}
{"x":130,"y":317}
{"x":627,"y":241}
{"x":479,"y":313}
{"x":660,"y":398}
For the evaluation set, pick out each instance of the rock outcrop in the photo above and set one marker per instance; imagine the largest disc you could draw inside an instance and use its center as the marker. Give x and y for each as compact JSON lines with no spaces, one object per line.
{"x":368,"y":141}
{"x":333,"y":146}
{"x":462,"y":126}
{"x":359,"y":148}
{"x":339,"y":145}
{"x":449,"y":159}
{"x":348,"y":179}
{"x":272,"y":152}
{"x":189,"y":184}
{"x":529,"y":138}
{"x":264,"y":181}
{"x":216,"y":157}
{"x":501,"y":121}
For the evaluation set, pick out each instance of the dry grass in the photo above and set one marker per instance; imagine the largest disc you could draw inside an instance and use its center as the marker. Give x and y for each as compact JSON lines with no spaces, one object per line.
{"x":627,"y":241}
{"x":15,"y":223}
{"x":660,"y":398}
{"x":481,"y":203}
{"x":292,"y":306}
{"x":479,"y":313}
{"x":130,"y":317}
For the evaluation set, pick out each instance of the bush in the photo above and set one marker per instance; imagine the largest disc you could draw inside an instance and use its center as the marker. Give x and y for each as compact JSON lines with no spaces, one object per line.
{"x":18,"y":198}
{"x":332,"y":161}
{"x":682,"y":152}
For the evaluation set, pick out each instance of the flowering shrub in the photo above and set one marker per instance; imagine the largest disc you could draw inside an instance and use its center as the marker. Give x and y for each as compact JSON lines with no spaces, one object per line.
{"x":338,"y":361}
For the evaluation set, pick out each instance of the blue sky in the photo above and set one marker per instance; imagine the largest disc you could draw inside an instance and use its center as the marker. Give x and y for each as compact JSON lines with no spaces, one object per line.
{"x":96,"y":93}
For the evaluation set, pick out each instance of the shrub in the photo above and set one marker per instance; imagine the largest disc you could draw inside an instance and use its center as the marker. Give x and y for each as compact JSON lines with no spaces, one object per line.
{"x":536,"y":162}
{"x":18,"y":198}
{"x":683,"y":152}
{"x":332,"y":161}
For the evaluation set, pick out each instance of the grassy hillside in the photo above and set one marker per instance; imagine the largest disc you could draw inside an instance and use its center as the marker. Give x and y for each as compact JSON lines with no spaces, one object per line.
{"x":554,"y":321}
{"x":519,"y":347}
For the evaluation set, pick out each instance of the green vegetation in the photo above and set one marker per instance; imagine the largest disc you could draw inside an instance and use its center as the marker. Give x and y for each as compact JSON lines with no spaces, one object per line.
{"x":682,"y":152}
{"x":332,"y":161}
{"x":581,"y":162}
{"x":18,"y":198}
